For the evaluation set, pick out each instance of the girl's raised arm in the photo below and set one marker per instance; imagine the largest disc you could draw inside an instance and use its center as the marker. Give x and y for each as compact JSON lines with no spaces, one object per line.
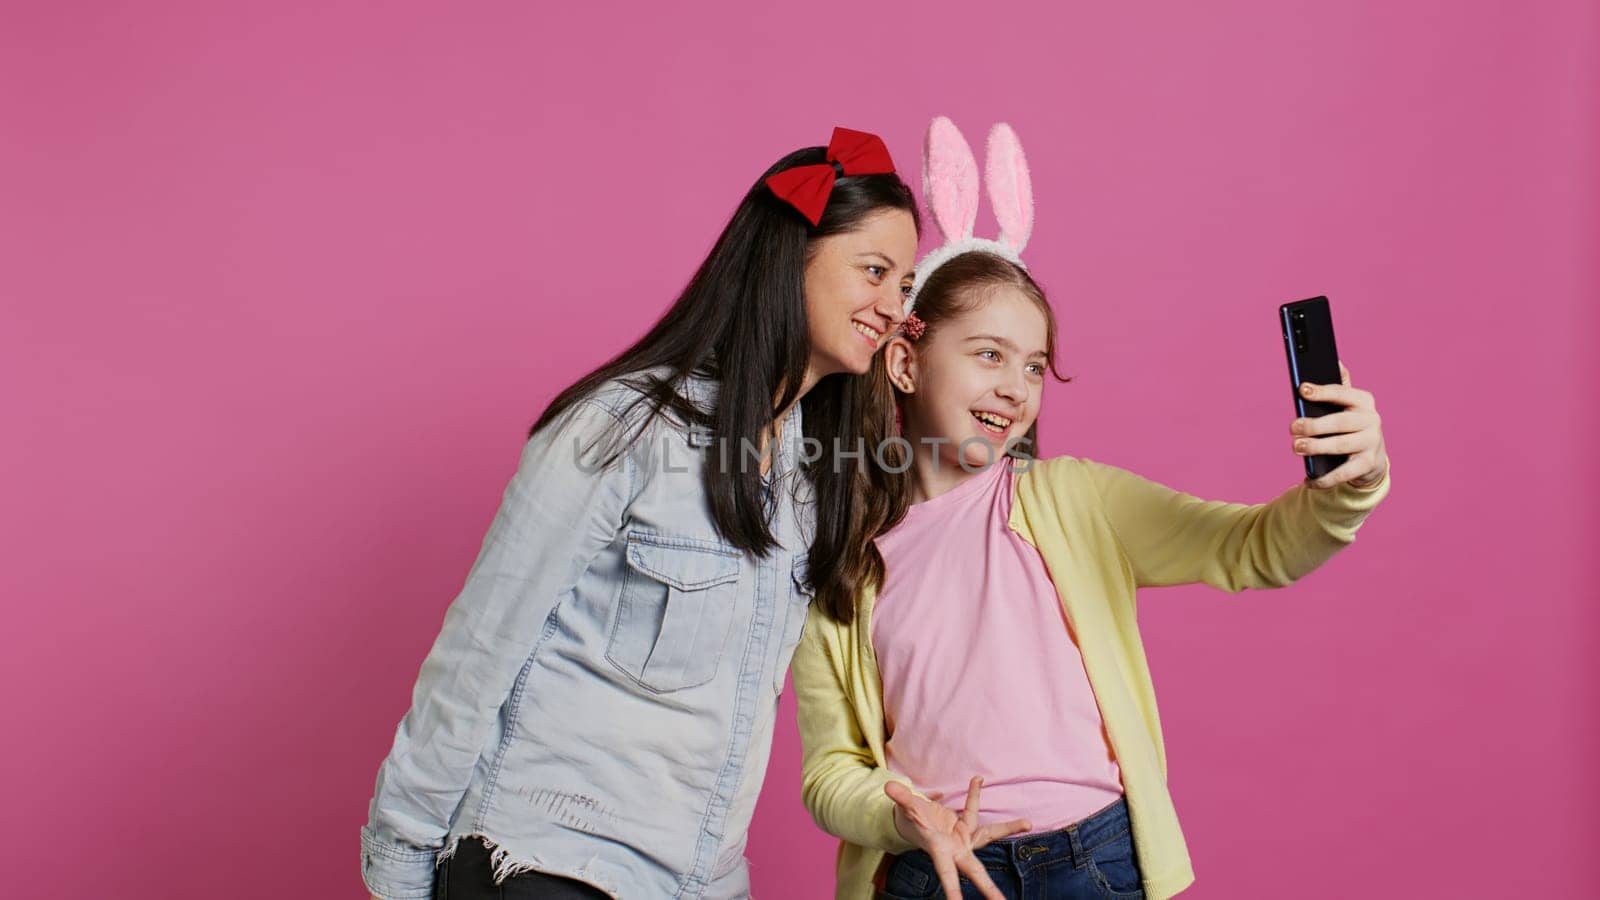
{"x":1170,"y":537}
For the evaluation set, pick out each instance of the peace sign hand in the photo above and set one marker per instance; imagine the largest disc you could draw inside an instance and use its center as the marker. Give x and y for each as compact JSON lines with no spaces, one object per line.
{"x":948,"y":839}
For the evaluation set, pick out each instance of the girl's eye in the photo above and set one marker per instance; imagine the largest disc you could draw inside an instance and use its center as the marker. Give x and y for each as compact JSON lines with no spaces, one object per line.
{"x":990,"y":355}
{"x":1036,"y":368}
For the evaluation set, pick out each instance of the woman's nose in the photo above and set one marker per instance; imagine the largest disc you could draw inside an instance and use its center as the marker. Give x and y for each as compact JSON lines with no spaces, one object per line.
{"x":893,"y":307}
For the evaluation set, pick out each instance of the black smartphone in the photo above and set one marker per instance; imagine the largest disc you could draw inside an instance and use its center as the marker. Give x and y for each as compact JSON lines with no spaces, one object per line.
{"x":1313,"y":356}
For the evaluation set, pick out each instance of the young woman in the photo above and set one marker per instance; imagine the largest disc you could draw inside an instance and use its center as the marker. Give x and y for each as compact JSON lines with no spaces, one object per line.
{"x":595,"y":716}
{"x":1003,"y":639}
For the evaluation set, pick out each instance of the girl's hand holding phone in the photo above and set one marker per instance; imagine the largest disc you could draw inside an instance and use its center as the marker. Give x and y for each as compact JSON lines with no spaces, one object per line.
{"x":1356,"y":432}
{"x":949,"y":839}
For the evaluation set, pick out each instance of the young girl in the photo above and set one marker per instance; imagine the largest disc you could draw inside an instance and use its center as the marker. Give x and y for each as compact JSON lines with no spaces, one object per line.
{"x":1002,"y":642}
{"x":595,"y":716}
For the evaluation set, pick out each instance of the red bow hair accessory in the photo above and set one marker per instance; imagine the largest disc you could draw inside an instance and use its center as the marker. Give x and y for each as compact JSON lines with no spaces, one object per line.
{"x":806,"y":188}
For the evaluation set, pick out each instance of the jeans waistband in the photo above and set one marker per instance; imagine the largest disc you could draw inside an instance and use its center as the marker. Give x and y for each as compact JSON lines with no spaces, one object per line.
{"x":1075,"y":842}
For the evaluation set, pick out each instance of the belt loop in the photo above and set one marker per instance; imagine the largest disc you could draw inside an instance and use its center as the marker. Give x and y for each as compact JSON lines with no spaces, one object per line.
{"x":1079,"y":858}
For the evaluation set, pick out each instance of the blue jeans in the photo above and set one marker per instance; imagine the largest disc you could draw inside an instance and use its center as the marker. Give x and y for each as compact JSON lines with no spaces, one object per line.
{"x":1091,"y":859}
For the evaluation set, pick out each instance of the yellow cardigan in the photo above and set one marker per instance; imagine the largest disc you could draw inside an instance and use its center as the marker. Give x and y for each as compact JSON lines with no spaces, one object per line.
{"x":1102,"y":532}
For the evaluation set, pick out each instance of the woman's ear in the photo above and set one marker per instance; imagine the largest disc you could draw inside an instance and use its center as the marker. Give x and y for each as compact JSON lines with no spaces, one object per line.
{"x":900,"y":359}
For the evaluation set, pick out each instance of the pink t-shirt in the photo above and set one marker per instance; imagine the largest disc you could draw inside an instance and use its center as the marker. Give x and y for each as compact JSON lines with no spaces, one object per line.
{"x":981,"y":675}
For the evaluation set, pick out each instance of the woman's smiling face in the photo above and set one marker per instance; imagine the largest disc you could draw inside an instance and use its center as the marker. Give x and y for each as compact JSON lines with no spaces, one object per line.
{"x":855,"y":290}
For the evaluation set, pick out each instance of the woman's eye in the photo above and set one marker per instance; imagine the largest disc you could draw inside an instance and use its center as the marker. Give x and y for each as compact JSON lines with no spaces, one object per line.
{"x":877,"y":271}
{"x":905,"y":289}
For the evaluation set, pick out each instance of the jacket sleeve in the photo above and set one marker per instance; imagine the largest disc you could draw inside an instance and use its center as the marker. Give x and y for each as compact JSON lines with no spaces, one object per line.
{"x":1169,"y":537}
{"x":559,"y":511}
{"x":841,"y":783}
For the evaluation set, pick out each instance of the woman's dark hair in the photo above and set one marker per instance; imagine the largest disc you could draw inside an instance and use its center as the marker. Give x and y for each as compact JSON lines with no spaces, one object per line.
{"x":961,"y":285}
{"x":741,"y":320}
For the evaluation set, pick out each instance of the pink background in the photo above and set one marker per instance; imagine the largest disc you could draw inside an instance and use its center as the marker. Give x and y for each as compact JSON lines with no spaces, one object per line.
{"x":284,"y":285}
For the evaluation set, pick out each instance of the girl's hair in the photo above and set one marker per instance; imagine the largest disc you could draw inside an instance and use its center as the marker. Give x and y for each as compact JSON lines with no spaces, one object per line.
{"x":960,"y":285}
{"x":741,"y":320}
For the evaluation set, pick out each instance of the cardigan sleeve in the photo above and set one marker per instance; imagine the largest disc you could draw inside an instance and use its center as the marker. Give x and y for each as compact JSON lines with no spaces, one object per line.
{"x":841,"y":782}
{"x":1169,"y":537}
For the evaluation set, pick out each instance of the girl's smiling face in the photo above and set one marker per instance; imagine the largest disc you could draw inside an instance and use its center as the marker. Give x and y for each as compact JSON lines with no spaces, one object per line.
{"x":855,"y":289}
{"x":976,"y":380}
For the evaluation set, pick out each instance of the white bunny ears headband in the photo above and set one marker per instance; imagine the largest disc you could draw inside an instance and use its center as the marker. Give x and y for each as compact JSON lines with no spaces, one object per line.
{"x":950,"y":187}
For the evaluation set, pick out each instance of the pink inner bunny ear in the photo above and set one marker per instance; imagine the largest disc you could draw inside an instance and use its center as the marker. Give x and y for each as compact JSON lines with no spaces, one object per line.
{"x":1010,"y":187}
{"x":950,"y":180}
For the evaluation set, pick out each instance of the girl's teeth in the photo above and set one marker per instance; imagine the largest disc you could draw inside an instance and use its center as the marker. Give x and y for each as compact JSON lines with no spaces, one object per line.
{"x":991,"y":424}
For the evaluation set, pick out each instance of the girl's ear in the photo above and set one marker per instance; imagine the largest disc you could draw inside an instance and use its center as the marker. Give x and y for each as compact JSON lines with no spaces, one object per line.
{"x":950,"y":180}
{"x":1010,"y":186}
{"x":900,"y":359}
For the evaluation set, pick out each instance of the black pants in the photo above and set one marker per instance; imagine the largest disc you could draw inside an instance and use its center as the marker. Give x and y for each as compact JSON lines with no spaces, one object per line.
{"x":467,"y":875}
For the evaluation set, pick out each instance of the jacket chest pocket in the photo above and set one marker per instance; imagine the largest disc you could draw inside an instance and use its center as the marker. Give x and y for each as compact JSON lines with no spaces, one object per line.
{"x":794,"y":623}
{"x":674,"y":613}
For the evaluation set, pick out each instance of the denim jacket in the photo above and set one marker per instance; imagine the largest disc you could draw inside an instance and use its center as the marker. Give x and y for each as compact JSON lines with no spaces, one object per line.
{"x":599,"y":703}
